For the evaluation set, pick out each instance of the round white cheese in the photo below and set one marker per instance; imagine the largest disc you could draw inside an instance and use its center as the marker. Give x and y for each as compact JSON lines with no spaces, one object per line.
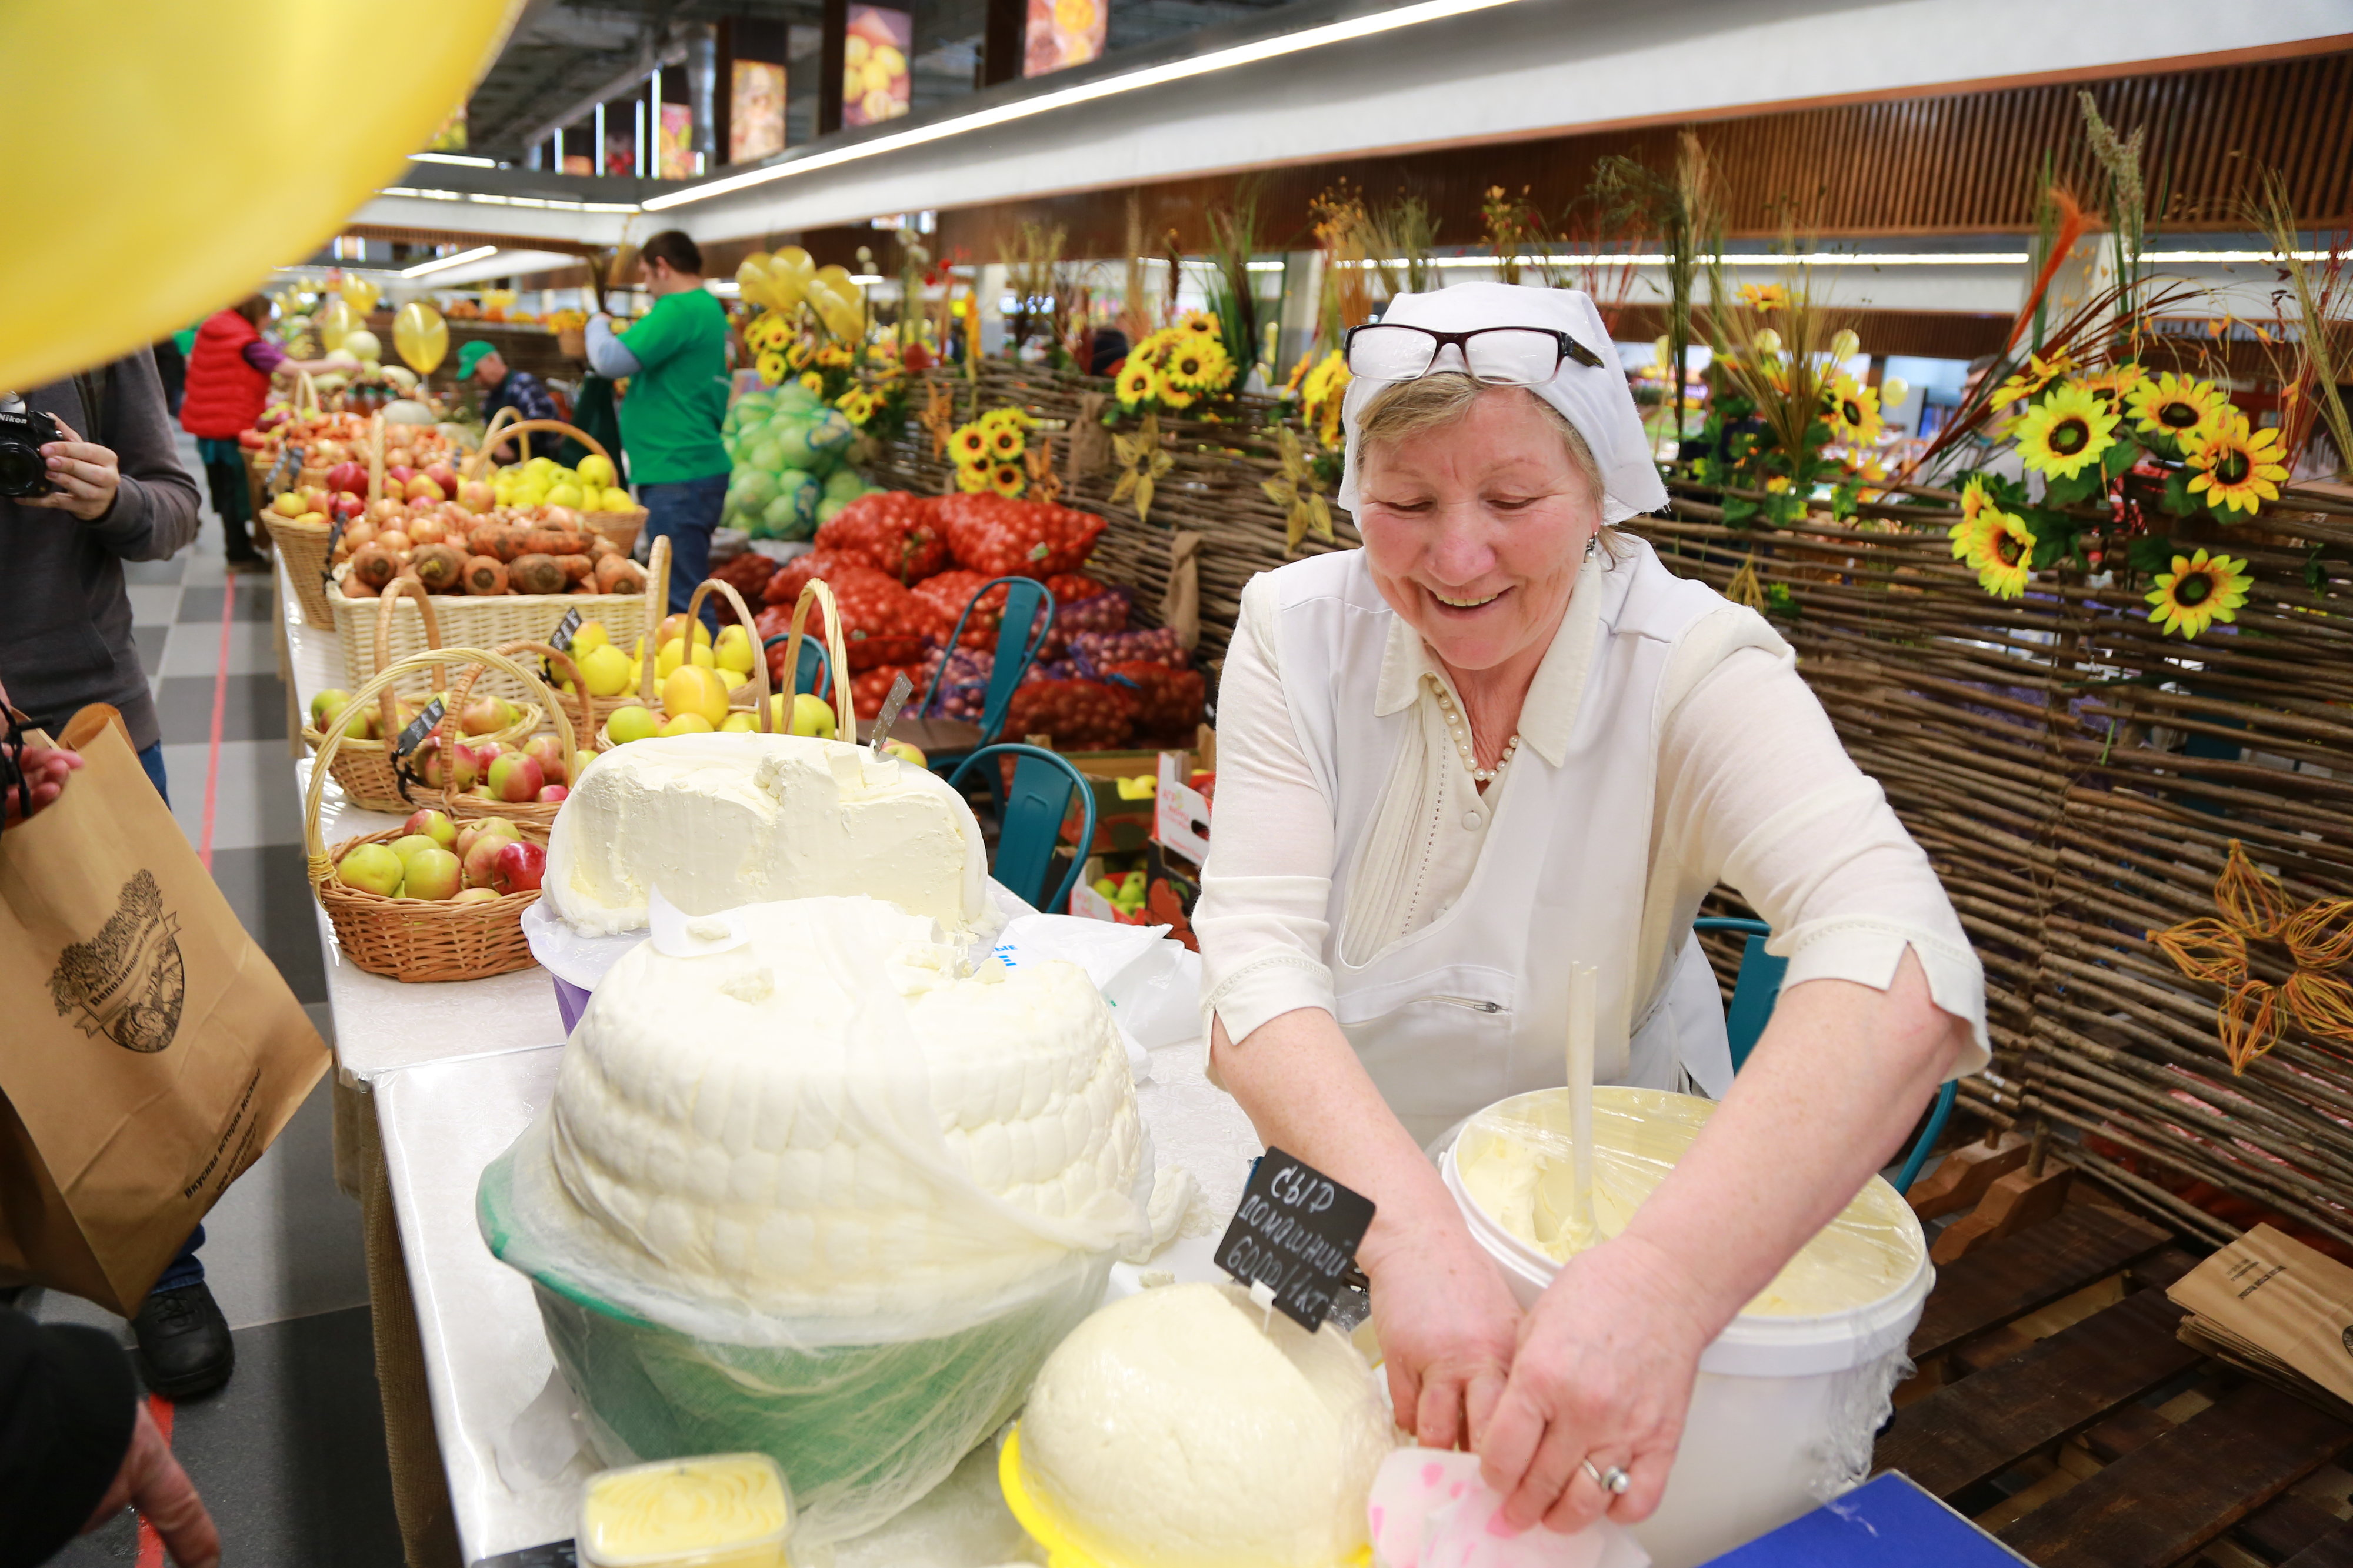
{"x":833,"y":1119}
{"x":715,"y":821}
{"x":1181,"y":1428}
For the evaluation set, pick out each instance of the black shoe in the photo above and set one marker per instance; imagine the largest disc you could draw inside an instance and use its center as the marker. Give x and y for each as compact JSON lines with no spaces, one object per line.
{"x":248,"y":560}
{"x":185,"y":1347}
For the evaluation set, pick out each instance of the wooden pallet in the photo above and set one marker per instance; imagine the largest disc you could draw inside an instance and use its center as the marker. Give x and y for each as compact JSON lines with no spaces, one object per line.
{"x":2056,"y":1407}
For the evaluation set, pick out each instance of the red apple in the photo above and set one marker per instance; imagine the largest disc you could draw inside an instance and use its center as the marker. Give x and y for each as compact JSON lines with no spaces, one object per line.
{"x":422,"y":487}
{"x":433,"y":825}
{"x":482,"y":856}
{"x":475,"y":496}
{"x":548,"y":752}
{"x":515,"y":779}
{"x":549,"y":794}
{"x":442,"y":474}
{"x":399,"y":473}
{"x":343,"y":507}
{"x":484,"y":827}
{"x":349,"y":478}
{"x":482,"y":715}
{"x":314,"y":498}
{"x":519,"y":867}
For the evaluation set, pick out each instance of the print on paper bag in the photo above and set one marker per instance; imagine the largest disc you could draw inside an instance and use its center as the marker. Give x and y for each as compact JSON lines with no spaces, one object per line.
{"x":128,"y":982}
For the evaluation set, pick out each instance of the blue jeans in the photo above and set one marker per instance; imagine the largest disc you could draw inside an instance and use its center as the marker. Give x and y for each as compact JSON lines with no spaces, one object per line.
{"x":186,"y":1268}
{"x":686,"y":512}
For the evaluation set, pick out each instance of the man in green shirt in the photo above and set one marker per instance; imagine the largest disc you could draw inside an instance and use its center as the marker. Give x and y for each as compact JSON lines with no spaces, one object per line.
{"x":675,"y":358}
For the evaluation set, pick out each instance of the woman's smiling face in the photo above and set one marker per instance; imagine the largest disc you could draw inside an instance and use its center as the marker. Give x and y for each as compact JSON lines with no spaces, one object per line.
{"x":1474,"y":530}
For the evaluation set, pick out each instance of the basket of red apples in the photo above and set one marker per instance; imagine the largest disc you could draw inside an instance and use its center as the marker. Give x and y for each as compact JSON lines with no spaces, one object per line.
{"x":363,"y":764}
{"x":521,"y":782}
{"x":433,"y":898}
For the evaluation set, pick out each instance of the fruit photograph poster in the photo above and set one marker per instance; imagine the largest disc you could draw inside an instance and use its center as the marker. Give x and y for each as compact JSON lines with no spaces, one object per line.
{"x":755,"y":119}
{"x":875,"y":82}
{"x":1062,"y":33}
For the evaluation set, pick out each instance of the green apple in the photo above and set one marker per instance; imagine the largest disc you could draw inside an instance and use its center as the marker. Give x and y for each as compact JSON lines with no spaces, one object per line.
{"x":434,"y":874}
{"x":434,"y":824}
{"x":907,"y":752}
{"x":372,"y":868}
{"x":409,"y":845}
{"x":326,"y":705}
{"x":812,"y":716}
{"x":631,"y":723}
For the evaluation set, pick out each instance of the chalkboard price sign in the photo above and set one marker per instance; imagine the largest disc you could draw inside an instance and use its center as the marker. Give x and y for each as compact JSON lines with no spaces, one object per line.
{"x":1296,"y":1230}
{"x":418,"y":728}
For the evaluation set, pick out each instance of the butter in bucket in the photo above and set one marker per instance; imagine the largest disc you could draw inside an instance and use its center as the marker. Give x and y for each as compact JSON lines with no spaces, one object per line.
{"x":1515,"y":1162}
{"x":723,"y":1510}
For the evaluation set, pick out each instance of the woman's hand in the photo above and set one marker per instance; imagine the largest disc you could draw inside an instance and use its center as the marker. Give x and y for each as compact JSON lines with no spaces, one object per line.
{"x":85,"y":473}
{"x":1447,"y":1324}
{"x":1603,"y":1372}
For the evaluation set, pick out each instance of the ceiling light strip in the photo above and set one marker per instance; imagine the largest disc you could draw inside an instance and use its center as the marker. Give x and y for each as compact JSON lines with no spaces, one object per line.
{"x":440,"y":263}
{"x":1086,"y":92}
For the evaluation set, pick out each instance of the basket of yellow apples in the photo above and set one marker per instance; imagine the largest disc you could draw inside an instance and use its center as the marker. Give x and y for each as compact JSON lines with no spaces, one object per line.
{"x":592,"y":489}
{"x":693,"y":686}
{"x":406,"y":903}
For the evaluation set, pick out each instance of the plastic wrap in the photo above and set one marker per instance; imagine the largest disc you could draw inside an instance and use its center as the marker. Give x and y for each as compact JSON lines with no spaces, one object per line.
{"x":866,"y":1407}
{"x":1515,"y":1157}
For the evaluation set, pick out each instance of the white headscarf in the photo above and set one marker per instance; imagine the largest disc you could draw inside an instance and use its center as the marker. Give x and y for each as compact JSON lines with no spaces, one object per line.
{"x":1597,"y":402}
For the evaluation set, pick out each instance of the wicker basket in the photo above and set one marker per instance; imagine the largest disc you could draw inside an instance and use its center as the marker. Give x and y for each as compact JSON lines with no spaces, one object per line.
{"x":364,"y":768}
{"x":304,"y":546}
{"x":751,"y":695}
{"x":492,"y":619}
{"x":618,"y":527}
{"x":531,"y":812}
{"x":410,"y":938}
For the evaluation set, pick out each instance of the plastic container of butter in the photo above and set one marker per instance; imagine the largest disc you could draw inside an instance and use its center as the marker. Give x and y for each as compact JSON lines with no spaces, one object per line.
{"x":717,"y":1511}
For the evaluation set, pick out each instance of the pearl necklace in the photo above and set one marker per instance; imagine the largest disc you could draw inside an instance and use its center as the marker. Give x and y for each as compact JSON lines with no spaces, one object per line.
{"x":1462,"y":733}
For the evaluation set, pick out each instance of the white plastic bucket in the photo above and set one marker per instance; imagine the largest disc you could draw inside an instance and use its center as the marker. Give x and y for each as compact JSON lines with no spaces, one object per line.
{"x":1783,"y":1415}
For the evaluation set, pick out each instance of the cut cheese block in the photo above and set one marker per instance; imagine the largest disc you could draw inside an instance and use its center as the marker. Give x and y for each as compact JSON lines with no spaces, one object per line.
{"x":1185,"y":1427}
{"x":715,"y":821}
{"x":833,"y":1119}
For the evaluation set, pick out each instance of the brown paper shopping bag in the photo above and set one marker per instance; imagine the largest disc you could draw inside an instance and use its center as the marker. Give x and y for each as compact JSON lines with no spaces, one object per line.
{"x":149,"y":1050}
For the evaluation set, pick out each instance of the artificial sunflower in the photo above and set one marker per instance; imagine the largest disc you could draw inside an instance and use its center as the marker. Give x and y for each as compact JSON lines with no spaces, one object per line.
{"x":973,"y":480}
{"x":1969,"y":538}
{"x":968,"y":446}
{"x":1174,"y":397}
{"x":773,"y":369}
{"x":1199,"y":324}
{"x":833,"y":356}
{"x":857,"y":405}
{"x":2116,"y":384}
{"x":2177,"y":407}
{"x":2065,"y":431}
{"x":1005,"y":441}
{"x":2236,"y":469}
{"x":1854,"y":411}
{"x":2008,"y":558}
{"x":1199,"y":369}
{"x":798,"y":356}
{"x":1005,"y":415}
{"x":1765,"y":298}
{"x":2038,"y":374}
{"x":2201,"y":590}
{"x":1139,"y":382}
{"x":1008,"y":480}
{"x":814,"y":381}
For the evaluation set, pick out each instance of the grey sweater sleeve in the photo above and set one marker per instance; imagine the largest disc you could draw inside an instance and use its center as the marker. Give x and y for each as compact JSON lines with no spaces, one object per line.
{"x":155,"y":509}
{"x":608,"y":354}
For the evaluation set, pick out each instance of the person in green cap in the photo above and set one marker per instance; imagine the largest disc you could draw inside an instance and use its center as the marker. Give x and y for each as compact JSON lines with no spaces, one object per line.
{"x":516,"y":389}
{"x":676,"y":361}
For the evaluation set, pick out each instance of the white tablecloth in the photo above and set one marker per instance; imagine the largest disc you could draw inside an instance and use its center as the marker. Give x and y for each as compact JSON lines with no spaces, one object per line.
{"x":458,"y":1070}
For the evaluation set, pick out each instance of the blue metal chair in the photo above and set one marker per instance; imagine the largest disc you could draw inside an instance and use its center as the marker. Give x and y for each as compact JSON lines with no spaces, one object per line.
{"x":809,"y":677}
{"x":1029,"y":818}
{"x":1017,"y":650}
{"x":1754,"y":992}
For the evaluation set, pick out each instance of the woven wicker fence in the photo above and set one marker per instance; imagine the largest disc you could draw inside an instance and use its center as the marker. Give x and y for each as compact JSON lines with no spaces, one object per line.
{"x":2075,"y":777}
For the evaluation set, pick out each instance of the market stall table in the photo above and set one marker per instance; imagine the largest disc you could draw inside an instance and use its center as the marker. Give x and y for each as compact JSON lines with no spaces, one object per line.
{"x":436,"y":1080}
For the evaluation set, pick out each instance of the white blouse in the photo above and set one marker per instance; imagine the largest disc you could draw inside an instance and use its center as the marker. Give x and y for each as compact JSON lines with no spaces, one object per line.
{"x":1754,"y":789}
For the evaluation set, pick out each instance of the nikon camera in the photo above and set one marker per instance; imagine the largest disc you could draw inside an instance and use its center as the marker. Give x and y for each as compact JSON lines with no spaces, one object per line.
{"x":23,"y":434}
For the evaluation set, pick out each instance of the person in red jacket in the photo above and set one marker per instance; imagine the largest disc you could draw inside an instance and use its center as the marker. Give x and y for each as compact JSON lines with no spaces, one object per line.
{"x":228,"y":387}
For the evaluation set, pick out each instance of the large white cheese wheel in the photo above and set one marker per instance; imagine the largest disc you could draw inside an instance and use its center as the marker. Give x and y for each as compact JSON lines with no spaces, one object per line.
{"x":715,"y":821}
{"x":1181,"y":1428}
{"x":1515,"y":1161}
{"x":737,"y":1132}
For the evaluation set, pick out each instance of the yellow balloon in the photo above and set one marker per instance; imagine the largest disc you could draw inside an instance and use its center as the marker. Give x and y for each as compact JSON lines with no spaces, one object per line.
{"x":181,"y":114}
{"x":794,"y":264}
{"x":362,"y":293}
{"x":752,"y":278}
{"x":421,"y":336}
{"x":823,"y":299}
{"x":335,"y":321}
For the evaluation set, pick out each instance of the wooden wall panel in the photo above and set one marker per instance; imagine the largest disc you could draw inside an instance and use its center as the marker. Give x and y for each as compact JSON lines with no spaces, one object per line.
{"x":1954,"y":164}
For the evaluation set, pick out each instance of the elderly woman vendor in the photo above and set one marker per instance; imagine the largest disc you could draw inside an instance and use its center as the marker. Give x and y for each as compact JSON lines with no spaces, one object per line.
{"x":1498,"y":739}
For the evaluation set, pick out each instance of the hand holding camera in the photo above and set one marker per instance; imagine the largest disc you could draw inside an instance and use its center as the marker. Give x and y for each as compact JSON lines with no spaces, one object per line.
{"x":44,"y":463}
